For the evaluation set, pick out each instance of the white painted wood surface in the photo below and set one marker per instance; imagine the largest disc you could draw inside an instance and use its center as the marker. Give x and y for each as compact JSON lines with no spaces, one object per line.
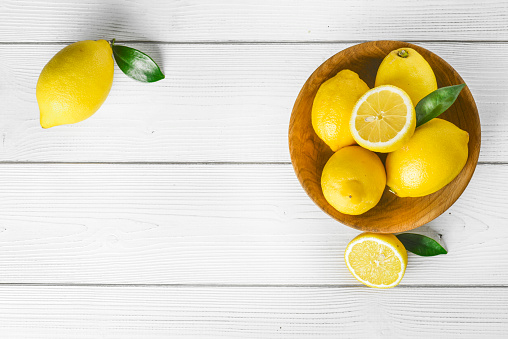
{"x":253,"y":20}
{"x":217,"y":224}
{"x":174,"y":211}
{"x":56,"y":312}
{"x":236,"y":98}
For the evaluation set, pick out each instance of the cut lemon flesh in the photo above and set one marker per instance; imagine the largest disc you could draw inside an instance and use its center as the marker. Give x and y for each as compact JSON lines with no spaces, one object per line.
{"x":376,"y":260}
{"x":383,"y":119}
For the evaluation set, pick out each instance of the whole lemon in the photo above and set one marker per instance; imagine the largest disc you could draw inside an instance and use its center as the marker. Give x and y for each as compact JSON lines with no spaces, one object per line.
{"x":332,"y":108}
{"x":75,"y":82}
{"x":407,"y":69}
{"x":430,"y":160}
{"x":353,"y":180}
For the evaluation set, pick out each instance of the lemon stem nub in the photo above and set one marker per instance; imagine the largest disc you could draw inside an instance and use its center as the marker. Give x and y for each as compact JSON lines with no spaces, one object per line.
{"x":403,"y":53}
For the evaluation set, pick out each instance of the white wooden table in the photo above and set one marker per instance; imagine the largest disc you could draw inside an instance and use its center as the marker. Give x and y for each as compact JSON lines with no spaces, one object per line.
{"x":174,"y":211}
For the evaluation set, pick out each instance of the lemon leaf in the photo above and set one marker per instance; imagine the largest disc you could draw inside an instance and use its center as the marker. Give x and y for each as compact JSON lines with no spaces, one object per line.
{"x":136,"y":64}
{"x":421,"y":245}
{"x":436,"y":103}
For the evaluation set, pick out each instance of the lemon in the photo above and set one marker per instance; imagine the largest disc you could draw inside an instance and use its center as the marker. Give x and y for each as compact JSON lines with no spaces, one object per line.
{"x":431,"y":159}
{"x":407,"y":69}
{"x":376,"y":260}
{"x":353,"y":180}
{"x":75,"y":82}
{"x":383,"y":119}
{"x":332,"y":108}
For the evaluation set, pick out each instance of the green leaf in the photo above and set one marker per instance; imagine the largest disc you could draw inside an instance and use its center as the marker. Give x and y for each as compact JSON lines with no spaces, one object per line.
{"x":436,"y":103}
{"x":136,"y":64}
{"x":421,"y":245}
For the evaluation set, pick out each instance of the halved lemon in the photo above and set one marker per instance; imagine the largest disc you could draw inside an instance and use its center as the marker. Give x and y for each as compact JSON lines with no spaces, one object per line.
{"x":383,"y":119}
{"x":376,"y":260}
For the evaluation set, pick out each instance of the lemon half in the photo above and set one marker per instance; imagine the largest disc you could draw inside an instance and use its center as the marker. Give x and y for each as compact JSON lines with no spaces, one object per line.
{"x":376,"y":260}
{"x":383,"y":119}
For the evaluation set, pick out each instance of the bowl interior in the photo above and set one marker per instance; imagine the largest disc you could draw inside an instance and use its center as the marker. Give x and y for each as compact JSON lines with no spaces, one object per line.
{"x":309,"y":153}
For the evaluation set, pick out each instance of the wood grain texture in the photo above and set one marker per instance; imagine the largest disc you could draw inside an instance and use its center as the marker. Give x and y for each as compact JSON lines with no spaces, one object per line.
{"x":218,"y":103}
{"x":309,"y":153}
{"x":217,"y":224}
{"x":251,"y":312}
{"x":252,"y":20}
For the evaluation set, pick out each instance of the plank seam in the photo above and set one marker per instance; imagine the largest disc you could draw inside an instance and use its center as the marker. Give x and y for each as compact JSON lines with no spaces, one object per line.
{"x":235,"y":42}
{"x":332,"y":286}
{"x":219,"y":163}
{"x":183,"y":163}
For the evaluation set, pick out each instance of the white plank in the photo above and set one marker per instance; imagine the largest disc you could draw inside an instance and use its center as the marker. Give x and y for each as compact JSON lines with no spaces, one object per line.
{"x":252,"y":20}
{"x":251,"y":312}
{"x":225,"y":224}
{"x":219,"y":103}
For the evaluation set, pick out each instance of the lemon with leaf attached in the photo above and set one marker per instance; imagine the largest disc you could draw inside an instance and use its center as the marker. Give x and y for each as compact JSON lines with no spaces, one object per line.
{"x":77,"y":80}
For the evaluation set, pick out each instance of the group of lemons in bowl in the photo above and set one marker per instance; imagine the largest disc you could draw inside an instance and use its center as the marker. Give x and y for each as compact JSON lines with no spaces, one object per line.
{"x":356,"y":122}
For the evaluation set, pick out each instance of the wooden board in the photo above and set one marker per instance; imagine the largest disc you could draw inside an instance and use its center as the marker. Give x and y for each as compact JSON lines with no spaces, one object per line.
{"x":251,"y":312}
{"x":216,"y":224}
{"x":219,"y":103}
{"x":252,"y":20}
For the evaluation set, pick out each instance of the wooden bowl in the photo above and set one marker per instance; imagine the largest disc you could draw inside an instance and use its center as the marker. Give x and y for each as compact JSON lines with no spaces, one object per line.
{"x":309,"y":153}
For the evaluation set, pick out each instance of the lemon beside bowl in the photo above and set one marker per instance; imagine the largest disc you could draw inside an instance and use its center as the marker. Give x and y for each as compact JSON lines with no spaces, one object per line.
{"x":309,"y":153}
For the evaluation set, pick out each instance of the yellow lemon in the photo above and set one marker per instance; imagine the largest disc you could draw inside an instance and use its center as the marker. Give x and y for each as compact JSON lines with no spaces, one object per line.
{"x":75,"y":82}
{"x":407,"y":69}
{"x":332,"y":108}
{"x":431,"y":159}
{"x":383,"y":119}
{"x":353,"y":180}
{"x":376,"y":260}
